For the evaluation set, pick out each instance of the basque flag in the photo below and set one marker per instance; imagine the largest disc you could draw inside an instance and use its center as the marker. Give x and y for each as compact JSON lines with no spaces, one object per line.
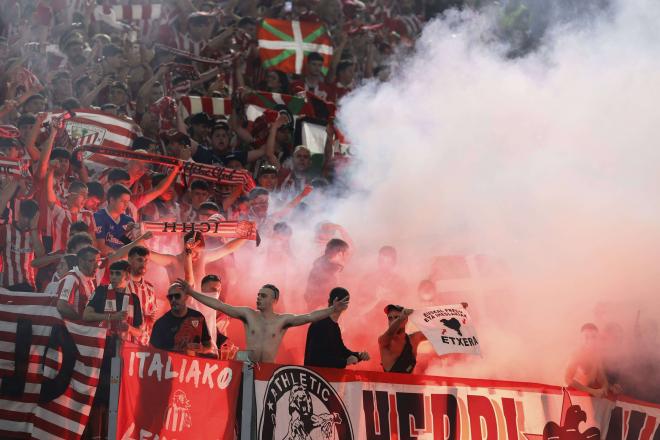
{"x":284,"y":44}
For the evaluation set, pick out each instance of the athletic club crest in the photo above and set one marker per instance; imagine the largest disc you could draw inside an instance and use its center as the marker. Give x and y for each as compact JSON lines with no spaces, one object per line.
{"x":178,"y":416}
{"x":300,"y":405}
{"x":85,"y":134}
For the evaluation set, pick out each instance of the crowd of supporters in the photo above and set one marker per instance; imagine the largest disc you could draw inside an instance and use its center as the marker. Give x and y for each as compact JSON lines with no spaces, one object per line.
{"x":71,"y":223}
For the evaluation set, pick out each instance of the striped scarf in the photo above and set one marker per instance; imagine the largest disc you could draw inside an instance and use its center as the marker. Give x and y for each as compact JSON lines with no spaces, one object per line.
{"x":111,"y":306}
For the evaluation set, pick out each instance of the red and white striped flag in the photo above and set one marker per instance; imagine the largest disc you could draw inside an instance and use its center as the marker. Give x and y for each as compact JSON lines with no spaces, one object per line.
{"x":88,"y":139}
{"x":49,"y":368}
{"x":210,"y":106}
{"x":15,"y":167}
{"x":105,"y":130}
{"x":143,"y":14}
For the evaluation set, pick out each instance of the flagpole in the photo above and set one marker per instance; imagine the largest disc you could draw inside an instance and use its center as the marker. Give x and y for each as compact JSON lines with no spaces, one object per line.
{"x":248,"y":413}
{"x":115,"y":375}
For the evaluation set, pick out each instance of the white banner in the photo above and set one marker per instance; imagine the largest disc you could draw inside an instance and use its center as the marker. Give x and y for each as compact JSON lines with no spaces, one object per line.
{"x":298,"y":403}
{"x":448,"y":328}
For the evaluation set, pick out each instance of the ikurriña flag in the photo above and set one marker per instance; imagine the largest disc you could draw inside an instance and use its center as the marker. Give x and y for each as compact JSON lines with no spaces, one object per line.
{"x":49,"y":368}
{"x":299,"y":105}
{"x":284,"y":44}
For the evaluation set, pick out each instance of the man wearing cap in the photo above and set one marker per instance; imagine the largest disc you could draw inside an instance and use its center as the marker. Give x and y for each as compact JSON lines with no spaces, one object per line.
{"x":118,"y":95}
{"x":61,"y":88}
{"x":113,"y":60}
{"x":200,"y":28}
{"x":299,"y":172}
{"x":177,"y":144}
{"x":267,"y":177}
{"x":398,"y":350}
{"x":314,"y":80}
{"x":35,"y":104}
{"x":199,"y":129}
{"x":324,"y":346}
{"x":9,"y":146}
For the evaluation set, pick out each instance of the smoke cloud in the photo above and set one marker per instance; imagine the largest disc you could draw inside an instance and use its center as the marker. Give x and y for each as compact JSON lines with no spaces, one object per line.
{"x":548,"y":163}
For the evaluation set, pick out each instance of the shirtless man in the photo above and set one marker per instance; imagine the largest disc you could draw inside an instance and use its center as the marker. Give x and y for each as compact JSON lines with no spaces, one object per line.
{"x":398,"y":350}
{"x":264,"y":328}
{"x":585,"y":370}
{"x":194,"y":247}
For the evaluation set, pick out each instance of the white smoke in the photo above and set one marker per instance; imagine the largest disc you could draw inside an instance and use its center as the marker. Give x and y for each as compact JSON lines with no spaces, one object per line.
{"x":549,"y":162}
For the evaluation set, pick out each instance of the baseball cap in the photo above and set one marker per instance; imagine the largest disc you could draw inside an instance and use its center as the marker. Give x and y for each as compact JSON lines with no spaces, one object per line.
{"x":35,"y":96}
{"x":267,"y":169}
{"x":119,"y":85}
{"x":388,"y":308}
{"x":199,"y":118}
{"x":111,"y":50}
{"x":176,"y":136}
{"x":143,"y":143}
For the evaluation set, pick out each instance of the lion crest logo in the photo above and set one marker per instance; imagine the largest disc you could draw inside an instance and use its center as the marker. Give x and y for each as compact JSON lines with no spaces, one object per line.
{"x":177,"y":417}
{"x":300,"y":405}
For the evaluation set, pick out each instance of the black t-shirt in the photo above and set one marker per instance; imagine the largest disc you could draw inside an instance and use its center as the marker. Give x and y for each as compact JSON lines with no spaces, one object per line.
{"x":174,"y":334}
{"x":97,"y":302}
{"x":325,"y":346}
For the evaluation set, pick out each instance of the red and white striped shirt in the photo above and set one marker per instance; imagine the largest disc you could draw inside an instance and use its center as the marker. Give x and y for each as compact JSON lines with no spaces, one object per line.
{"x":146,"y":292}
{"x":76,"y":289}
{"x":17,"y":254}
{"x":61,"y":222}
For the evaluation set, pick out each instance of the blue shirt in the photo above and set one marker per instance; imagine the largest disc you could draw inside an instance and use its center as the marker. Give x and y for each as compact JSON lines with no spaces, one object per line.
{"x":113,"y":234}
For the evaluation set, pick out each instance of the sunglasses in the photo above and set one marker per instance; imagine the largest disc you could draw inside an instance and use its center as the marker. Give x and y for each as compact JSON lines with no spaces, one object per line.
{"x":174,"y":296}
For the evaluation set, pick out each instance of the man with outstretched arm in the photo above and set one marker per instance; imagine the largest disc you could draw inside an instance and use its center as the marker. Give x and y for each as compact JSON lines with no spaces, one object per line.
{"x":398,"y":350}
{"x":264,"y":328}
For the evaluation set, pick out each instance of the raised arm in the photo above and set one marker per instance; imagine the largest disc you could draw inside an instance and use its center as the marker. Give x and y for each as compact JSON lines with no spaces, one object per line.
{"x":317,"y":315}
{"x":51,"y":197}
{"x":307,"y":190}
{"x":231,"y":311}
{"x":163,"y":259}
{"x":159,"y":189}
{"x":395,"y":325}
{"x":270,"y":142}
{"x":124,"y":250}
{"x":35,"y":237}
{"x":44,"y":158}
{"x":223,"y":251}
{"x":31,"y":141}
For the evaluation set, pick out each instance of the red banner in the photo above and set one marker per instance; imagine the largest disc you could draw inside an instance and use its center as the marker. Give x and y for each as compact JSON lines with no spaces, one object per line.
{"x":173,"y":396}
{"x":295,"y":402}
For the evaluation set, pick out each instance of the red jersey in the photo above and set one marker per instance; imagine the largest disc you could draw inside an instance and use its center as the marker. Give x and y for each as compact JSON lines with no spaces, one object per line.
{"x":61,"y":221}
{"x":17,"y":254}
{"x":146,"y":293}
{"x":76,"y":289}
